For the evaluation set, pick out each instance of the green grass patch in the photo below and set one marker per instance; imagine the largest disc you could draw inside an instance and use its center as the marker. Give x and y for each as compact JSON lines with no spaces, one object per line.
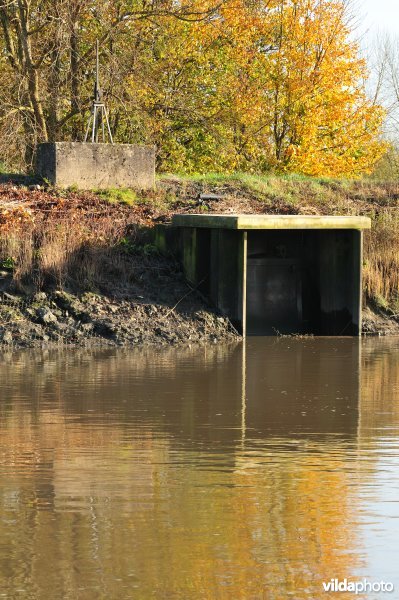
{"x":254,"y":181}
{"x":119,"y":196}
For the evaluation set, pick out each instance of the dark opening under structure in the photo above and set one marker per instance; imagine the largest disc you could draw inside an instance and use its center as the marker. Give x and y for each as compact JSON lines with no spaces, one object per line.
{"x":274,"y":274}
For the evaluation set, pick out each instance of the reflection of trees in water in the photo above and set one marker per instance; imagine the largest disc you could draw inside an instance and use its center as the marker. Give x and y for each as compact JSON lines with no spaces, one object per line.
{"x":379,"y":387}
{"x":129,"y":469}
{"x":53,"y":367}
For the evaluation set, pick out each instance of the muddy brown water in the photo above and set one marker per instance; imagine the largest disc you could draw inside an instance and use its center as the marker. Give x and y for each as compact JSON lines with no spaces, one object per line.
{"x":225,"y":472}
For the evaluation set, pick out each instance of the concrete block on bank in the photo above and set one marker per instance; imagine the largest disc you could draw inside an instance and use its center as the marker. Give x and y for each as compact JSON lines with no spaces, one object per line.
{"x":91,"y":166}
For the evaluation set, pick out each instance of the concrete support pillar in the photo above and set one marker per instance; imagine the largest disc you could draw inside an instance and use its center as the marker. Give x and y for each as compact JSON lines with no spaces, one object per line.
{"x":228,"y":275}
{"x":357,"y":270}
{"x":194,"y":252}
{"x":189,"y":253}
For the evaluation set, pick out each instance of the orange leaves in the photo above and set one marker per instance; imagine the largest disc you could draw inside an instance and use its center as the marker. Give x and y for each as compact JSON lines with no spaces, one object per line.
{"x":14,"y":217}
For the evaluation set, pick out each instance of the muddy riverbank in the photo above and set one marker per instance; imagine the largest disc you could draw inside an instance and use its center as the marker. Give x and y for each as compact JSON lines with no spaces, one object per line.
{"x":161,"y":309}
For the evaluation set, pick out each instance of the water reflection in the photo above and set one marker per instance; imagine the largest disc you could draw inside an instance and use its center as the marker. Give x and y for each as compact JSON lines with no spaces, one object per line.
{"x":222,"y":472}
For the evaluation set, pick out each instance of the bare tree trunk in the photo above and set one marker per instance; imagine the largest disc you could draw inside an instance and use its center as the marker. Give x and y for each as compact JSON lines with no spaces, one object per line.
{"x":54,"y":79}
{"x":31,"y":70}
{"x":75,"y":82}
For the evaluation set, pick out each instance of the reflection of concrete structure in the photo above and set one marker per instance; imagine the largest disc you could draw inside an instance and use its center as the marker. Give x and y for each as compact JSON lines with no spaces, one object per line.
{"x":91,"y":166}
{"x":379,"y":413}
{"x":269,"y":274}
{"x":301,"y":386}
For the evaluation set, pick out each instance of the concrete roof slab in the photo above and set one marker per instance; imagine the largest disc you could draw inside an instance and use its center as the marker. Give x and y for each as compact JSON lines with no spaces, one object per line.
{"x":216,"y":221}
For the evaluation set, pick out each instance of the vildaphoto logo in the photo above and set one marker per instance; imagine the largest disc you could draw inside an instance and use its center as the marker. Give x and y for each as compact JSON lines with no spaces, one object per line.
{"x":358,"y":587}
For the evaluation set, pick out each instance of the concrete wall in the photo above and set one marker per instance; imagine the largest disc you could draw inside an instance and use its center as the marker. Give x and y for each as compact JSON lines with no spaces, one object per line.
{"x":91,"y":166}
{"x":304,"y":282}
{"x":340,"y":277}
{"x":214,"y":261}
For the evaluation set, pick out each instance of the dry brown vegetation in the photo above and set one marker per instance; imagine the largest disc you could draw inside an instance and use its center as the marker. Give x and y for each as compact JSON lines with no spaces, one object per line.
{"x":66,"y":239}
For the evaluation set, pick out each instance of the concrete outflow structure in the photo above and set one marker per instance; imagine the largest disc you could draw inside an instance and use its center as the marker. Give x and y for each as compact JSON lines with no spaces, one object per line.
{"x":90,"y":165}
{"x":274,"y":274}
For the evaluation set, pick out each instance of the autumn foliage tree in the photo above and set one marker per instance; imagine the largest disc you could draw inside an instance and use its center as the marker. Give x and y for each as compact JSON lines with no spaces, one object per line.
{"x":323,"y":122}
{"x":253,"y":85}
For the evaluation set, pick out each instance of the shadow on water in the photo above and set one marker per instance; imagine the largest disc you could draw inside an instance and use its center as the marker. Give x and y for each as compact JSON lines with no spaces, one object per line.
{"x":238,"y":471}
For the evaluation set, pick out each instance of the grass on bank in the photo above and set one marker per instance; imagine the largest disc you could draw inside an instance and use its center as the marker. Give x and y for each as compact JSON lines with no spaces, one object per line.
{"x":293,"y":189}
{"x":252,"y":181}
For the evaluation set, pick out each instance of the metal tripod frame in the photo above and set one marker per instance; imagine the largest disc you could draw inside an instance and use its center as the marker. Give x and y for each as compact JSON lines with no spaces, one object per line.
{"x":98,"y":115}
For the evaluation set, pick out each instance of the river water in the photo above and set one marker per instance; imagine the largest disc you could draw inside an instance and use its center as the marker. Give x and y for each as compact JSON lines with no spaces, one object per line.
{"x":254,"y":471}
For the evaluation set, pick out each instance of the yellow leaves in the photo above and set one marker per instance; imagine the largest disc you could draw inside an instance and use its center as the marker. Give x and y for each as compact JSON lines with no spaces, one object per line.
{"x":317,"y":100}
{"x":258,"y":85}
{"x":251,"y":85}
